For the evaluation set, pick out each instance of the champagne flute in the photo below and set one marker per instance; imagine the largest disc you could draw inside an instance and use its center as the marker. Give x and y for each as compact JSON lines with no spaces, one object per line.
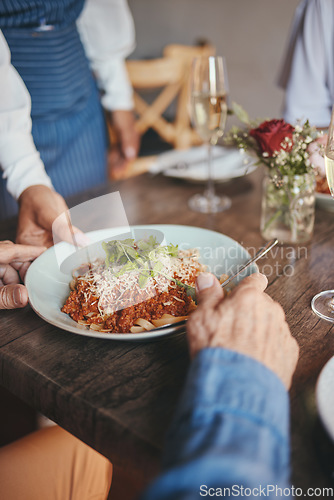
{"x":323,"y":303}
{"x":209,"y":112}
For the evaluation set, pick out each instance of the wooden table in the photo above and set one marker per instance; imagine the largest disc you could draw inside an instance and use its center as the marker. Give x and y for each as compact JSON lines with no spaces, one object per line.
{"x":119,"y":397}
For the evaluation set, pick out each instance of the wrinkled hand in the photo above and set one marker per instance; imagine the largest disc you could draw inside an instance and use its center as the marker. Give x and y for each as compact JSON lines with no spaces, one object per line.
{"x":248,"y":321}
{"x":14,"y":262}
{"x":39,"y":207}
{"x":128,"y":141}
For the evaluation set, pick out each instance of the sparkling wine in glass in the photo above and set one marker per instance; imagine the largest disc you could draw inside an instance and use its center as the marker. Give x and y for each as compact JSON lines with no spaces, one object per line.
{"x":209,"y":112}
{"x":323,"y":303}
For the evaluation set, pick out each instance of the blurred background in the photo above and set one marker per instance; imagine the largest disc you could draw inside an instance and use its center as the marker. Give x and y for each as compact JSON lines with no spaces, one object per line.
{"x":252,"y":35}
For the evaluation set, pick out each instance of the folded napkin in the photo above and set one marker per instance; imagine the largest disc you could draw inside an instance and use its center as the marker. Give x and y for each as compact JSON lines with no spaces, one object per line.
{"x":192,"y":163}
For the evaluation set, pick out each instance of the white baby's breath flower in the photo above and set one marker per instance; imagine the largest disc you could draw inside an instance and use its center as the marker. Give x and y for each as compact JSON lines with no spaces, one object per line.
{"x":281,"y":157}
{"x":293,"y":155}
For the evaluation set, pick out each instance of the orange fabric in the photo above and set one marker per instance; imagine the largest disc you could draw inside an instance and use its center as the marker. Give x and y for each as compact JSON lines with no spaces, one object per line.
{"x":51,"y":464}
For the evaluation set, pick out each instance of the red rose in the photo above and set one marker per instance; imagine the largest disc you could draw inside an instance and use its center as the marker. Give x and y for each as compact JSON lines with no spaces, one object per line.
{"x":271,"y":134}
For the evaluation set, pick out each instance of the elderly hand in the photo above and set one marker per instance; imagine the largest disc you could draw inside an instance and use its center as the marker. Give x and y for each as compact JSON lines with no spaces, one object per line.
{"x":14,"y":262}
{"x":39,"y":207}
{"x":248,"y":321}
{"x":128,"y":141}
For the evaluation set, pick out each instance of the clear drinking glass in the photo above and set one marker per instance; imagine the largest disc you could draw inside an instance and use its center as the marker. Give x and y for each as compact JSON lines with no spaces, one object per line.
{"x":323,"y":303}
{"x":208,"y":112}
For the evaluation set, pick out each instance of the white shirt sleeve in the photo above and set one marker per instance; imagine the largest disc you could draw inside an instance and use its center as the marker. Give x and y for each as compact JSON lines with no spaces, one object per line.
{"x":19,"y":159}
{"x":308,"y":72}
{"x":107,"y":32}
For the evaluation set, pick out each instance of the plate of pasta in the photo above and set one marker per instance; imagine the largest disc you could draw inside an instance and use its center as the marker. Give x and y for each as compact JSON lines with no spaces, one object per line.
{"x":131,"y":287}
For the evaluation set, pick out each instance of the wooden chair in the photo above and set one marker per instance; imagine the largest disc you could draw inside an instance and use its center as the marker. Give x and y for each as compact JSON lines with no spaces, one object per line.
{"x":170,"y":76}
{"x":189,"y":52}
{"x":187,"y":136}
{"x":167,"y":74}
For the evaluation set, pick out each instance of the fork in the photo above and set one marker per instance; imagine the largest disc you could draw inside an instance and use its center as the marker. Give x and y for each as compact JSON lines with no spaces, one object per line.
{"x":191,"y":291}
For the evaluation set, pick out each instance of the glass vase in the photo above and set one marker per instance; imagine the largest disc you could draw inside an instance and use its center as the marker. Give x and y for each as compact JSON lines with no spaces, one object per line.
{"x":288,"y":207}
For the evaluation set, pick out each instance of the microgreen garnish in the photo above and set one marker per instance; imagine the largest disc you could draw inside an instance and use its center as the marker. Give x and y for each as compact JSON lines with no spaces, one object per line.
{"x":143,"y":256}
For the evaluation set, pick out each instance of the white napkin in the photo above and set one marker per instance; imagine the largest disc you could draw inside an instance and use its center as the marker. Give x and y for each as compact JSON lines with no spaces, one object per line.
{"x":227,"y":163}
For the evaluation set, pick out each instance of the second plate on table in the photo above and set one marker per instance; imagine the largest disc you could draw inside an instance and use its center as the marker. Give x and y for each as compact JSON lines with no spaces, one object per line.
{"x":324,"y":201}
{"x":191,"y":164}
{"x":325,"y":397}
{"x":48,"y":277}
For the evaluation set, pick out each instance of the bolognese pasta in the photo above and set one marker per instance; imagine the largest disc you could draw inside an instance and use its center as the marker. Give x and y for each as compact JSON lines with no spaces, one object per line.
{"x":140,"y":286}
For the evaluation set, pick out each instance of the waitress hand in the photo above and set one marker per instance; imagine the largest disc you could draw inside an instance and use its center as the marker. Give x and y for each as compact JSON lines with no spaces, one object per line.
{"x":127,"y":142}
{"x":14,"y":262}
{"x":39,"y":207}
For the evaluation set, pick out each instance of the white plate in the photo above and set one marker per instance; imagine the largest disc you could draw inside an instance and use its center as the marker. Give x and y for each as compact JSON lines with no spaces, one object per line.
{"x":324,"y":201}
{"x":48,"y":287}
{"x":228,"y":164}
{"x":325,"y":396}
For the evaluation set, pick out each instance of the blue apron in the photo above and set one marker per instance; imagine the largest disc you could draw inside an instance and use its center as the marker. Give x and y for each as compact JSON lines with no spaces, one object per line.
{"x":68,"y":122}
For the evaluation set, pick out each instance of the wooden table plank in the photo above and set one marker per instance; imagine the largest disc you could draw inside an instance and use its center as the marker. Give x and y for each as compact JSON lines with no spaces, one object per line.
{"x":60,"y":375}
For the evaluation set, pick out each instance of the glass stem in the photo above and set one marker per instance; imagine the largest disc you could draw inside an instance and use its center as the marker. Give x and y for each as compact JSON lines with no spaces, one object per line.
{"x":210,"y":192}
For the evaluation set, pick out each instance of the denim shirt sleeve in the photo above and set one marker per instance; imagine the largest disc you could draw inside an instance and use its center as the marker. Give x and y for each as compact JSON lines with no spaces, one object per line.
{"x":230,"y":430}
